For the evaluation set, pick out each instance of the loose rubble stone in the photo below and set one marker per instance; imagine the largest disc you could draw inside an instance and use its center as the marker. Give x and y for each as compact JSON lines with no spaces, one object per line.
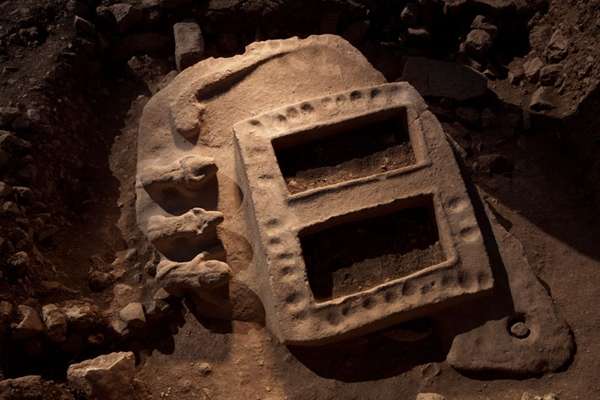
{"x":409,"y":14}
{"x":108,"y":377}
{"x":532,"y":68}
{"x":430,"y":396}
{"x":542,"y":99}
{"x":99,"y":280}
{"x":558,"y":47}
{"x":126,"y":15}
{"x":443,"y":79}
{"x":84,"y":27}
{"x":189,"y":44}
{"x":133,"y":315}
{"x":7,"y":116}
{"x":23,"y":194}
{"x":10,"y":208}
{"x":81,"y":314}
{"x":29,"y":323}
{"x":19,"y":263}
{"x":483,"y":23}
{"x":478,"y":43}
{"x":5,"y":190}
{"x":469,"y":116}
{"x":6,"y":313}
{"x":56,"y":322}
{"x":550,"y":73}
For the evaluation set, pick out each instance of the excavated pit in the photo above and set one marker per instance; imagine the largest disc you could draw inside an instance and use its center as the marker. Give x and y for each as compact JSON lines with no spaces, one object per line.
{"x":332,"y":154}
{"x":355,"y":252}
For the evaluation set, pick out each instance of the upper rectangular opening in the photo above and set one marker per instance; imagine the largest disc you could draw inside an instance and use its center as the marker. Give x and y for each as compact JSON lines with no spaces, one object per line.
{"x":351,"y":149}
{"x":361,"y":250}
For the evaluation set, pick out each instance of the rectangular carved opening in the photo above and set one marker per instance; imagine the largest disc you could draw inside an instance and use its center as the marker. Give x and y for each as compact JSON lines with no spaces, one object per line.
{"x":344,"y":151}
{"x":361,"y":250}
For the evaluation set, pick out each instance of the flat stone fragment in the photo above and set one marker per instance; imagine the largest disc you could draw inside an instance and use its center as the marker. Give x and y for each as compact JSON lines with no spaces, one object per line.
{"x":189,"y":44}
{"x":107,"y":377}
{"x":490,"y":347}
{"x":443,"y":79}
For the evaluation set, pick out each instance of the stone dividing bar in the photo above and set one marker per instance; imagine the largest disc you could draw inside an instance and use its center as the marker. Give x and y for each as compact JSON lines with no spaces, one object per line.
{"x":278,"y":217}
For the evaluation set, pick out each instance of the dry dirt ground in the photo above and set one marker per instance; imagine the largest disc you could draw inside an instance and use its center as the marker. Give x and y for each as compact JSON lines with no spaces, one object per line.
{"x":540,"y":178}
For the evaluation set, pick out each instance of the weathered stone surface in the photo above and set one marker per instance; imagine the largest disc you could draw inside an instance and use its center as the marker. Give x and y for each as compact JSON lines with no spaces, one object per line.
{"x":28,"y":323}
{"x":489,"y":347}
{"x":56,"y":322}
{"x":107,"y":377}
{"x":32,"y":387}
{"x":443,"y":79}
{"x":189,"y":44}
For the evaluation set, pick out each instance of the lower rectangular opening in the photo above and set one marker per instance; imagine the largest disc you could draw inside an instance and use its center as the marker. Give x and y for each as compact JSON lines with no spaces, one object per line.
{"x":358,"y":251}
{"x":351,"y":149}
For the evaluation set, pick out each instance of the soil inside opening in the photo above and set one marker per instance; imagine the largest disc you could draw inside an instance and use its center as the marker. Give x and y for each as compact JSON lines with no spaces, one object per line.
{"x":361,"y":250}
{"x":345,"y":151}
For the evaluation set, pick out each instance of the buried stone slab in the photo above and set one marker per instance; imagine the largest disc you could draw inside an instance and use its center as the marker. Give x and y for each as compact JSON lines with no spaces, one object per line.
{"x":359,"y":248}
{"x":519,"y":332}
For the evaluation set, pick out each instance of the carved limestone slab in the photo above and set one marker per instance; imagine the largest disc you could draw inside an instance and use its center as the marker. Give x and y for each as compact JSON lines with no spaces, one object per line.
{"x":358,"y":214}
